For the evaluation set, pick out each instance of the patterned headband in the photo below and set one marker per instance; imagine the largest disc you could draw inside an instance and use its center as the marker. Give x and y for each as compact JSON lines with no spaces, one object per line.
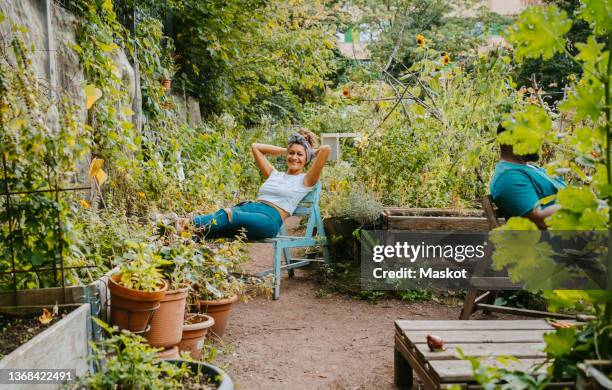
{"x":297,"y":138}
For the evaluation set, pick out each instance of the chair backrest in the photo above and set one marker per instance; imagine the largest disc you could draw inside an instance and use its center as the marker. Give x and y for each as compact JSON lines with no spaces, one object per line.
{"x":309,"y":207}
{"x":309,"y":201}
{"x":491,"y":211}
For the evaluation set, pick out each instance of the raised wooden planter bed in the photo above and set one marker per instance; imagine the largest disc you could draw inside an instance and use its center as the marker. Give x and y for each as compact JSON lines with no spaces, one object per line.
{"x":433,"y":219}
{"x":64,"y":345}
{"x":94,"y":294}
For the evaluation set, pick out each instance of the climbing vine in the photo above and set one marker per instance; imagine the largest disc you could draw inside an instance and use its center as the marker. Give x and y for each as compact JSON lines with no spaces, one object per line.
{"x":39,"y":148}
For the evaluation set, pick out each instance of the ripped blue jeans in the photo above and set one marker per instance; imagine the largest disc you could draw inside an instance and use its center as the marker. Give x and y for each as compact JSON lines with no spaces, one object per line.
{"x":260,"y":221}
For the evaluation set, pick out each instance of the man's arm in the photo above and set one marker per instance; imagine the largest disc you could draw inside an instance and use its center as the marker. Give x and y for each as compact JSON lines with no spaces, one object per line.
{"x":538,"y":215}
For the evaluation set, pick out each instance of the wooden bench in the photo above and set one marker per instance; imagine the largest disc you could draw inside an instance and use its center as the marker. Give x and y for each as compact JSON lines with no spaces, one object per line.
{"x":490,"y":285}
{"x":522,"y":339}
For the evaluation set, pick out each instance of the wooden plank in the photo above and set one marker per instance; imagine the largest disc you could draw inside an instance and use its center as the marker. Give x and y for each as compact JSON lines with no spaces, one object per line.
{"x":35,"y":309}
{"x":480,"y":336}
{"x":403,"y":373}
{"x":438,"y":223}
{"x":523,"y":312}
{"x":461,"y":370}
{"x":518,"y":350}
{"x":430,"y":325}
{"x":490,"y":212}
{"x":481,"y":298}
{"x":339,"y":135}
{"x":424,"y":374}
{"x":469,"y":303}
{"x":43,"y":296}
{"x":431,"y":212}
{"x":494,"y":283}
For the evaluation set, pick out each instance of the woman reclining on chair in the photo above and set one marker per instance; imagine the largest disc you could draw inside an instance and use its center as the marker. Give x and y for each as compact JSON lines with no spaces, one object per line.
{"x":278,"y":196}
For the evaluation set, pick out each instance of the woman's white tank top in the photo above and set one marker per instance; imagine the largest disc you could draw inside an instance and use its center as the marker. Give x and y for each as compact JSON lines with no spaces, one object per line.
{"x":284,"y":190}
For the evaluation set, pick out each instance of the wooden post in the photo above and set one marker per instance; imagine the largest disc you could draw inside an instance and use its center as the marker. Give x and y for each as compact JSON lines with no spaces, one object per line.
{"x":402,"y":371}
{"x":137,"y":101}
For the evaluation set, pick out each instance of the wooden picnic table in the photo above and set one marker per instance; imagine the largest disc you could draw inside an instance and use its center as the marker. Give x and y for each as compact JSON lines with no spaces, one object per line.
{"x":522,"y":339}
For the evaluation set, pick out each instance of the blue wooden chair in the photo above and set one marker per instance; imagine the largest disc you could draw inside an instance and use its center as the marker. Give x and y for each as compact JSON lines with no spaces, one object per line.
{"x":308,"y":207}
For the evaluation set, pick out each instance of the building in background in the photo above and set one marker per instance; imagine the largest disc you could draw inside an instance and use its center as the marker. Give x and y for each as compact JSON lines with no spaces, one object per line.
{"x":353,"y":43}
{"x":509,"y":7}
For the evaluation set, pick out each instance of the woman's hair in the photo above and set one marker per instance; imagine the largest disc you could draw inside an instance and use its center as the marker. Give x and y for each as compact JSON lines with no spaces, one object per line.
{"x":311,"y":137}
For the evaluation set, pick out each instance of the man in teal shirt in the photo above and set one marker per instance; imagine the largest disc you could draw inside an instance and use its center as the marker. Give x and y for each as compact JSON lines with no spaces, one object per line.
{"x":517,"y":187}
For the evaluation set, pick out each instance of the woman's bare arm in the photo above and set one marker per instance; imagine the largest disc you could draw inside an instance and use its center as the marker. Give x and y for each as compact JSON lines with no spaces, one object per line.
{"x":260,"y":151}
{"x":314,"y":172}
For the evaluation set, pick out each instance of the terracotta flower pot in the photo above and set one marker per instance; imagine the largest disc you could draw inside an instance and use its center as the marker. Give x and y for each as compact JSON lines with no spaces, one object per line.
{"x":170,"y":353}
{"x":166,"y":84}
{"x":167,"y":321}
{"x":194,"y":334}
{"x":132,"y":309}
{"x":219,"y":310}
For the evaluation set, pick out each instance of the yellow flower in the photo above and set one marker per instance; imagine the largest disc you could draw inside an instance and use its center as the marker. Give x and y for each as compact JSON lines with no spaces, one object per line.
{"x":445,"y":58}
{"x":346,"y":92}
{"x":141,"y":194}
{"x":571,"y":77}
{"x":85,"y":203}
{"x":420,"y":40}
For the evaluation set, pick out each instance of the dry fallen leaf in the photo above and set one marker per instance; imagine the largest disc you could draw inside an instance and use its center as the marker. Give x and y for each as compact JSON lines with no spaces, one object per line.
{"x":91,"y":94}
{"x":95,"y":170}
{"x":46,"y":317}
{"x":561,"y":324}
{"x":101,"y":176}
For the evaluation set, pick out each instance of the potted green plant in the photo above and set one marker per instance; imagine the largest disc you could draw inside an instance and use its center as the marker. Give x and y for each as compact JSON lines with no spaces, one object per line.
{"x":167,"y":322}
{"x":137,"y":288}
{"x":351,"y":208}
{"x":166,"y":84}
{"x":167,"y":74}
{"x":185,"y":256}
{"x":126,"y":361}
{"x":195,"y":329}
{"x":217,"y":288}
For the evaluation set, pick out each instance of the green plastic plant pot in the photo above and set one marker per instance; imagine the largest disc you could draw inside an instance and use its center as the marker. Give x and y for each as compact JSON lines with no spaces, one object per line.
{"x":223,"y":381}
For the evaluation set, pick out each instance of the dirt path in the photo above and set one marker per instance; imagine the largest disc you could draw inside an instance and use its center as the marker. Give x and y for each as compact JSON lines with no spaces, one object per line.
{"x":305,"y":342}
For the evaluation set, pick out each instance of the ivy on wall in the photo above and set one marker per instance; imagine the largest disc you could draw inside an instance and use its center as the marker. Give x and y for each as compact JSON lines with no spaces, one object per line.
{"x":36,"y":155}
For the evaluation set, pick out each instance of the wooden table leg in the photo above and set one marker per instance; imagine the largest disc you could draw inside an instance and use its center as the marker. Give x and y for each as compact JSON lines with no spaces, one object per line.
{"x":403,"y":371}
{"x":469,"y":304}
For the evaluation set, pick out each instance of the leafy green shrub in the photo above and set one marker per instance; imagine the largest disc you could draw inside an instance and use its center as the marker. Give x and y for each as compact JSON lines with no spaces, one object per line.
{"x":105,"y":234}
{"x":357,"y":202}
{"x":140,"y":268}
{"x":216,"y":274}
{"x":505,"y":378}
{"x":38,"y":152}
{"x":127,"y":361}
{"x":274,"y":57}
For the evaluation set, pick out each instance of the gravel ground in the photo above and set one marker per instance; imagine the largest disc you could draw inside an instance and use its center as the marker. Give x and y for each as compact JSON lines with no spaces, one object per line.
{"x":304,"y":341}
